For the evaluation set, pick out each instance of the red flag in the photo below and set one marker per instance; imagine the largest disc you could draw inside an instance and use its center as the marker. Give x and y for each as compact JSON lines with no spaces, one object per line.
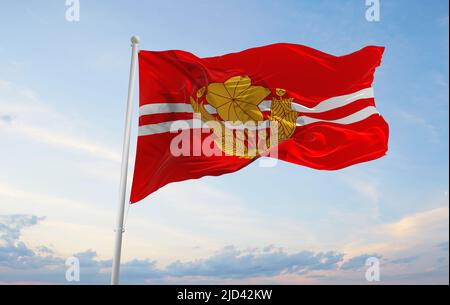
{"x":285,"y":101}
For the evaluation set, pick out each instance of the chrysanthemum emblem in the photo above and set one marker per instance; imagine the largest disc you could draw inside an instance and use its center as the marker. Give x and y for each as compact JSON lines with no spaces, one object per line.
{"x":236,"y":100}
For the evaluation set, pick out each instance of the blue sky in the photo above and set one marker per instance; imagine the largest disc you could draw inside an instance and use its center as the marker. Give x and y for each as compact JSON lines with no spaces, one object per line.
{"x":63,"y":88}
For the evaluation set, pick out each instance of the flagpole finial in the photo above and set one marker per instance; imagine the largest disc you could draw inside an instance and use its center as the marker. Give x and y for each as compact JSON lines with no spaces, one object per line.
{"x":135,"y":40}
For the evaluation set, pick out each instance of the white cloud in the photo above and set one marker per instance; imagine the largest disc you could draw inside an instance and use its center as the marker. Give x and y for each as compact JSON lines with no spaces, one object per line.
{"x":64,"y":140}
{"x":409,"y":234}
{"x":368,"y":189}
{"x":36,"y":121}
{"x":430,"y":225}
{"x":73,"y":225}
{"x":229,"y":265}
{"x":422,"y":123}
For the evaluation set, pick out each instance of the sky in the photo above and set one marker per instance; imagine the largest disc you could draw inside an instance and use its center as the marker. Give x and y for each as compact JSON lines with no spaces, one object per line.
{"x":63,"y":88}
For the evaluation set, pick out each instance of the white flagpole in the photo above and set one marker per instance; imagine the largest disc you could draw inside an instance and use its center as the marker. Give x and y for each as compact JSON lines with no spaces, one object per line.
{"x":125,"y":154}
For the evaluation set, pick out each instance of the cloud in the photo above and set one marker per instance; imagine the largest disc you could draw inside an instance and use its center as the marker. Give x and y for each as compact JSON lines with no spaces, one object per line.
{"x":65,"y":140}
{"x":431,"y":221}
{"x":231,"y":262}
{"x":19,"y":262}
{"x":12,"y":225}
{"x":13,"y":252}
{"x":23,"y":114}
{"x":358,"y":262}
{"x":369,"y":189}
{"x":411,"y":235}
{"x":96,"y":271}
{"x":405,"y":260}
{"x":5,"y":118}
{"x":443,"y":246}
{"x":41,"y":264}
{"x":422,"y":123}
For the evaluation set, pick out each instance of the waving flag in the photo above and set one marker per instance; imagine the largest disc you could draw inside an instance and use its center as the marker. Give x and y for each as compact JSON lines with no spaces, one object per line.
{"x":212,"y":116}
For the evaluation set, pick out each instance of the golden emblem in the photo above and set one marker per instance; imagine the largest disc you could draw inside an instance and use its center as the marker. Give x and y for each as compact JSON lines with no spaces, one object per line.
{"x":236,"y":102}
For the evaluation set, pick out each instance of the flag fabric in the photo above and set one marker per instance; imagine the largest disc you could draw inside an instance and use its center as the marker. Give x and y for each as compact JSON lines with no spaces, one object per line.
{"x":211,"y":116}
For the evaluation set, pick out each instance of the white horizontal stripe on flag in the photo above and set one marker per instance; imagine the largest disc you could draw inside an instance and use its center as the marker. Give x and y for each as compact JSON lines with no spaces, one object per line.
{"x":335,"y":102}
{"x":158,"y":108}
{"x":174,"y":126}
{"x":170,"y":126}
{"x":326,"y":105}
{"x":353,"y":118}
{"x":164,"y":108}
